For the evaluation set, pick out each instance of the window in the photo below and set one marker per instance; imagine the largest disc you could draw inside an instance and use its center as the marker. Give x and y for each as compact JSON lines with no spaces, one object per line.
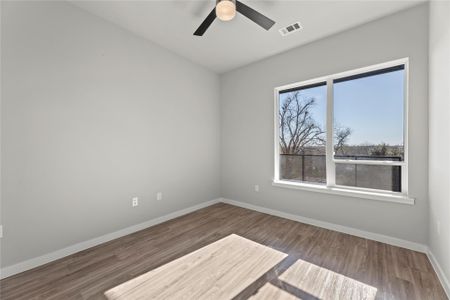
{"x":345,"y":133}
{"x":302,"y":118}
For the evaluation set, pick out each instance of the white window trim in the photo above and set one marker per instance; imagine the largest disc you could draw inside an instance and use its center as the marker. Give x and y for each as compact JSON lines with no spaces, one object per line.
{"x":331,"y":187}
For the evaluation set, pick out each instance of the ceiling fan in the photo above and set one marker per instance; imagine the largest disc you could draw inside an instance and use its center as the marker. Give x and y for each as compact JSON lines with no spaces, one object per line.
{"x":225,"y":10}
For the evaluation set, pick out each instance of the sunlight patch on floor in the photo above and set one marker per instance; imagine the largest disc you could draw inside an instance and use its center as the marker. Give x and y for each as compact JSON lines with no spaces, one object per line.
{"x":321,"y":283}
{"x":270,"y":291}
{"x":220,"y":270}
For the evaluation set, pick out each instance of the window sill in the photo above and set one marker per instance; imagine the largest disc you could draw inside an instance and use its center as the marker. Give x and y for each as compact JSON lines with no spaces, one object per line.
{"x":380,"y":196}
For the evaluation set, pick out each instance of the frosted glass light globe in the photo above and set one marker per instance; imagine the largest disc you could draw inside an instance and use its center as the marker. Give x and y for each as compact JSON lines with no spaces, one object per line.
{"x":225,"y":10}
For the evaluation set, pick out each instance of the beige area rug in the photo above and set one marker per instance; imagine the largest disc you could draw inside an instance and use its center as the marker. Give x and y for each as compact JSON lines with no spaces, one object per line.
{"x":220,"y":270}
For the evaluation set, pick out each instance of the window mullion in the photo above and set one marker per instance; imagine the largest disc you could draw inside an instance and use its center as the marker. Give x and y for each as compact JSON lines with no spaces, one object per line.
{"x":330,"y":165}
{"x":404,"y":172}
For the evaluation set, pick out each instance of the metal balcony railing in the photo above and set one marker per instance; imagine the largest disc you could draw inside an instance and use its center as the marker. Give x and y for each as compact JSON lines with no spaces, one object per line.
{"x":312,"y":168}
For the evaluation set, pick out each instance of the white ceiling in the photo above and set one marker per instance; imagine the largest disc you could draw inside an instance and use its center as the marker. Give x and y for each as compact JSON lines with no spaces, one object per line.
{"x":228,"y":45}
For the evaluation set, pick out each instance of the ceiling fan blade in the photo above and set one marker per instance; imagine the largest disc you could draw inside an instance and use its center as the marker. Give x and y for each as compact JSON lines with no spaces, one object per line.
{"x":255,"y":16}
{"x":206,"y":23}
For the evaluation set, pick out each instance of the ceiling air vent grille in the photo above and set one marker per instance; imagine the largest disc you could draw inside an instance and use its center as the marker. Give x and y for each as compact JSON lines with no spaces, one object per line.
{"x":290,"y":29}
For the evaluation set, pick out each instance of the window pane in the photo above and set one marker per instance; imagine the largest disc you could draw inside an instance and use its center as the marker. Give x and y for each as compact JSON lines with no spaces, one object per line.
{"x":302,"y":117}
{"x":368,"y":116}
{"x":369,"y":176}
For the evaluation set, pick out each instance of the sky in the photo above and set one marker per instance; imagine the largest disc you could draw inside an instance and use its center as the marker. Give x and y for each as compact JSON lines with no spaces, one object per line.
{"x":371,"y":106}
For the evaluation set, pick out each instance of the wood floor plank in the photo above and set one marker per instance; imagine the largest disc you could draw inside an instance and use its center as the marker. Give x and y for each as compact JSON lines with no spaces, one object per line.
{"x":320,"y":263}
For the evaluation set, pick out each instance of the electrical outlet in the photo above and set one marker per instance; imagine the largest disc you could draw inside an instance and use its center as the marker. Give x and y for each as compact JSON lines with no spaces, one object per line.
{"x":256,"y":188}
{"x":159,"y":196}
{"x":135,"y":201}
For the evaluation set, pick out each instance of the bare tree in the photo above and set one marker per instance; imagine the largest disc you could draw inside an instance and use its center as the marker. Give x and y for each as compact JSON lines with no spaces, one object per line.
{"x":297,"y":128}
{"x":341,"y":136}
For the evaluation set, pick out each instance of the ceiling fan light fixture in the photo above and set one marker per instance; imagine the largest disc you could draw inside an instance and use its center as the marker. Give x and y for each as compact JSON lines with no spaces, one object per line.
{"x":225,"y":9}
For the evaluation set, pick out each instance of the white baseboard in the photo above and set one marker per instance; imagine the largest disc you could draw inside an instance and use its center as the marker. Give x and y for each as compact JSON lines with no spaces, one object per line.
{"x":440,"y":273}
{"x":340,"y":228}
{"x":46,"y":258}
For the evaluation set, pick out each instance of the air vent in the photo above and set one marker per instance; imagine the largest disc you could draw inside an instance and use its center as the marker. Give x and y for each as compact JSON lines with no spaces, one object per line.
{"x":290,"y":29}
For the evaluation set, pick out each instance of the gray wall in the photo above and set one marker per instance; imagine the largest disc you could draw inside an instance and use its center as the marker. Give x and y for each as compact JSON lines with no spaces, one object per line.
{"x":247,"y":124}
{"x":91,"y":116}
{"x":439,"y":160}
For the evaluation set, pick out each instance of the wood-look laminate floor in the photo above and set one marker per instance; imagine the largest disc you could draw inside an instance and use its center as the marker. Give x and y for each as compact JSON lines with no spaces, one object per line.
{"x":319,"y":263}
